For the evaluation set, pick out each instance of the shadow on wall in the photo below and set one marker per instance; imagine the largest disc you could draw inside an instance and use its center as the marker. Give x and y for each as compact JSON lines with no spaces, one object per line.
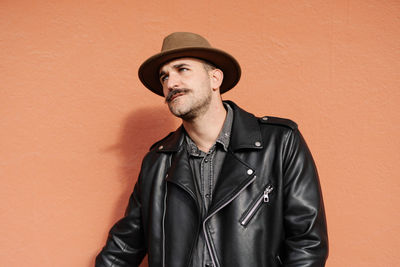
{"x":139,"y":131}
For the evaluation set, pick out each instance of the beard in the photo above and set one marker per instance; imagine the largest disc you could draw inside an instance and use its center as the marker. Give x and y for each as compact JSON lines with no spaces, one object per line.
{"x":192,"y":108}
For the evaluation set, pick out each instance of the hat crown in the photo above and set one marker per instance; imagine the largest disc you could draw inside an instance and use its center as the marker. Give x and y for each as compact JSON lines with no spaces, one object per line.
{"x":178,"y":40}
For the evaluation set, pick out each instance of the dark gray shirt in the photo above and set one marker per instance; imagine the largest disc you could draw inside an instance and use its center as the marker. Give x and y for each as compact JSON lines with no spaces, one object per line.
{"x":206,"y":168}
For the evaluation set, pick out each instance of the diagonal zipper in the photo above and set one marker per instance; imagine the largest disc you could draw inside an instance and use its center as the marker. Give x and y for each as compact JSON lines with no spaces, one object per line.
{"x":263,"y":198}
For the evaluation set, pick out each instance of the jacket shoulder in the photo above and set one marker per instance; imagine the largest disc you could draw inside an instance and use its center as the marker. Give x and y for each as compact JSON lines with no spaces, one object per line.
{"x":160,"y":141}
{"x":278,"y":121}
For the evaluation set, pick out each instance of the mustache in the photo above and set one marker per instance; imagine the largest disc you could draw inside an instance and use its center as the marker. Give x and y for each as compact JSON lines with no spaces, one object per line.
{"x":174,"y":92}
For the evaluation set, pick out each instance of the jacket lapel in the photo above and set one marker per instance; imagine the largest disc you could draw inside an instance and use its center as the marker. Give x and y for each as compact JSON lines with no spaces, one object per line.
{"x":235,"y":175}
{"x":246,"y":132}
{"x":180,"y":173}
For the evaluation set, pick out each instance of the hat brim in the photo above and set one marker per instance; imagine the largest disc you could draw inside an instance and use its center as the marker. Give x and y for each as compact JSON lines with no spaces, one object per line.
{"x":149,"y":70}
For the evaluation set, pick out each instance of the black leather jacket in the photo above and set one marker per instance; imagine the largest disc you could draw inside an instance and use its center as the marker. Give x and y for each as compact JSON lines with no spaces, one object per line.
{"x":267,"y":207}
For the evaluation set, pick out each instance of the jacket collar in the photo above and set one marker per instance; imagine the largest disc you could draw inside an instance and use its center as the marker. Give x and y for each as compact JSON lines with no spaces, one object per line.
{"x":245,"y":133}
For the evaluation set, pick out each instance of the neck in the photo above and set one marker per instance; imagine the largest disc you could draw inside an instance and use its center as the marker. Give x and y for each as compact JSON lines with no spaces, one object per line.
{"x":204,"y":129}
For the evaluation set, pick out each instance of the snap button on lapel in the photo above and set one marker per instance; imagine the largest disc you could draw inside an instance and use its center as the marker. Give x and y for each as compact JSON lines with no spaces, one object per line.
{"x":249,"y":171}
{"x":265,"y":118}
{"x":160,"y":147}
{"x":257,"y":143}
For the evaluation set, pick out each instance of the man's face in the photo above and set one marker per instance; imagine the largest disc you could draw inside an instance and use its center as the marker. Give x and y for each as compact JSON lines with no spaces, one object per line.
{"x":186,"y":87}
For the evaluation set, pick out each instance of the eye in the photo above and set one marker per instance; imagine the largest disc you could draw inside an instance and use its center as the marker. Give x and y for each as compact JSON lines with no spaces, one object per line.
{"x":183,"y":69}
{"x":163,"y":78}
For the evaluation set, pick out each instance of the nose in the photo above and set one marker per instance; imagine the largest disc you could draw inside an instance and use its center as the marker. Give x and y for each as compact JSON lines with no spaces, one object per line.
{"x":173,"y":81}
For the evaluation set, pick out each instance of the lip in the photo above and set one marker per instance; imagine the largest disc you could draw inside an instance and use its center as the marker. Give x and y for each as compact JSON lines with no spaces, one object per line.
{"x":176,"y":96}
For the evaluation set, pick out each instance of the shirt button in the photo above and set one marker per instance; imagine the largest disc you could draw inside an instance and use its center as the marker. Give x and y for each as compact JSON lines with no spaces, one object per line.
{"x":257,"y":143}
{"x":209,"y":265}
{"x":208,"y":195}
{"x":265,"y":118}
{"x":160,"y":147}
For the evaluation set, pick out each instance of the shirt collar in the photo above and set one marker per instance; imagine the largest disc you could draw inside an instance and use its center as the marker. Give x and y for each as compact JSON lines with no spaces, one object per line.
{"x":225,"y":134}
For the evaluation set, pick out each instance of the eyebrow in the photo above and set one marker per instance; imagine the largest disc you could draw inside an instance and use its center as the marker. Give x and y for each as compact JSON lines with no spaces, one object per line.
{"x":176,"y":66}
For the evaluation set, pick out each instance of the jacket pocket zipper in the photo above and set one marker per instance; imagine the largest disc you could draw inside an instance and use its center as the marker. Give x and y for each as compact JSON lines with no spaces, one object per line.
{"x":264,"y":198}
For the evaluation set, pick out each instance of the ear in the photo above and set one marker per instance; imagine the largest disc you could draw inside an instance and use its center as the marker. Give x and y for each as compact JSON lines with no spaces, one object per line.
{"x":217,"y":77}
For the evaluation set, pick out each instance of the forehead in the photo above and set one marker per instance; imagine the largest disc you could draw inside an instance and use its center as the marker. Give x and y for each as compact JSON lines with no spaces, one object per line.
{"x":187,"y":61}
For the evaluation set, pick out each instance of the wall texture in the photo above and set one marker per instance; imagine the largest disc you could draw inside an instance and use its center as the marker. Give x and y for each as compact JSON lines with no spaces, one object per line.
{"x":76,"y":122}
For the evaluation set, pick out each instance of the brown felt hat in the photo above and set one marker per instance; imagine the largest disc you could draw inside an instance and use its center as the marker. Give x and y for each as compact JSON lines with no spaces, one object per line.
{"x":187,"y":44}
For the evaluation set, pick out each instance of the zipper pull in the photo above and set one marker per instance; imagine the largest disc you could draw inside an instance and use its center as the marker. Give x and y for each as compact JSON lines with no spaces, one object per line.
{"x":266,"y":193}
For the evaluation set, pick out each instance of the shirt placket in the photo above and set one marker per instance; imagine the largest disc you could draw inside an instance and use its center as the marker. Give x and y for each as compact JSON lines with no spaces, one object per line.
{"x":207,"y":178}
{"x":207,"y":181}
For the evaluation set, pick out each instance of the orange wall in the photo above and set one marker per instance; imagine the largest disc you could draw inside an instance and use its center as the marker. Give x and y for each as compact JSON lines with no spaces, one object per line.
{"x":76,"y":122}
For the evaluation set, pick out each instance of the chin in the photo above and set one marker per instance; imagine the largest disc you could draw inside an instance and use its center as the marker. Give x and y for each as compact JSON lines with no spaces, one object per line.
{"x":176,"y":111}
{"x":182,"y":113}
{"x":177,"y":107}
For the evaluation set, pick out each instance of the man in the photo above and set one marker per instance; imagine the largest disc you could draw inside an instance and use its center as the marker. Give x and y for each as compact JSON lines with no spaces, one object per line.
{"x":226,"y":188}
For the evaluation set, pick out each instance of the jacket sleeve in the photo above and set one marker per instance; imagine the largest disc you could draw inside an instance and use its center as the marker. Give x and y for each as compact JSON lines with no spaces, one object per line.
{"x":125,"y":245}
{"x":306,"y":239}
